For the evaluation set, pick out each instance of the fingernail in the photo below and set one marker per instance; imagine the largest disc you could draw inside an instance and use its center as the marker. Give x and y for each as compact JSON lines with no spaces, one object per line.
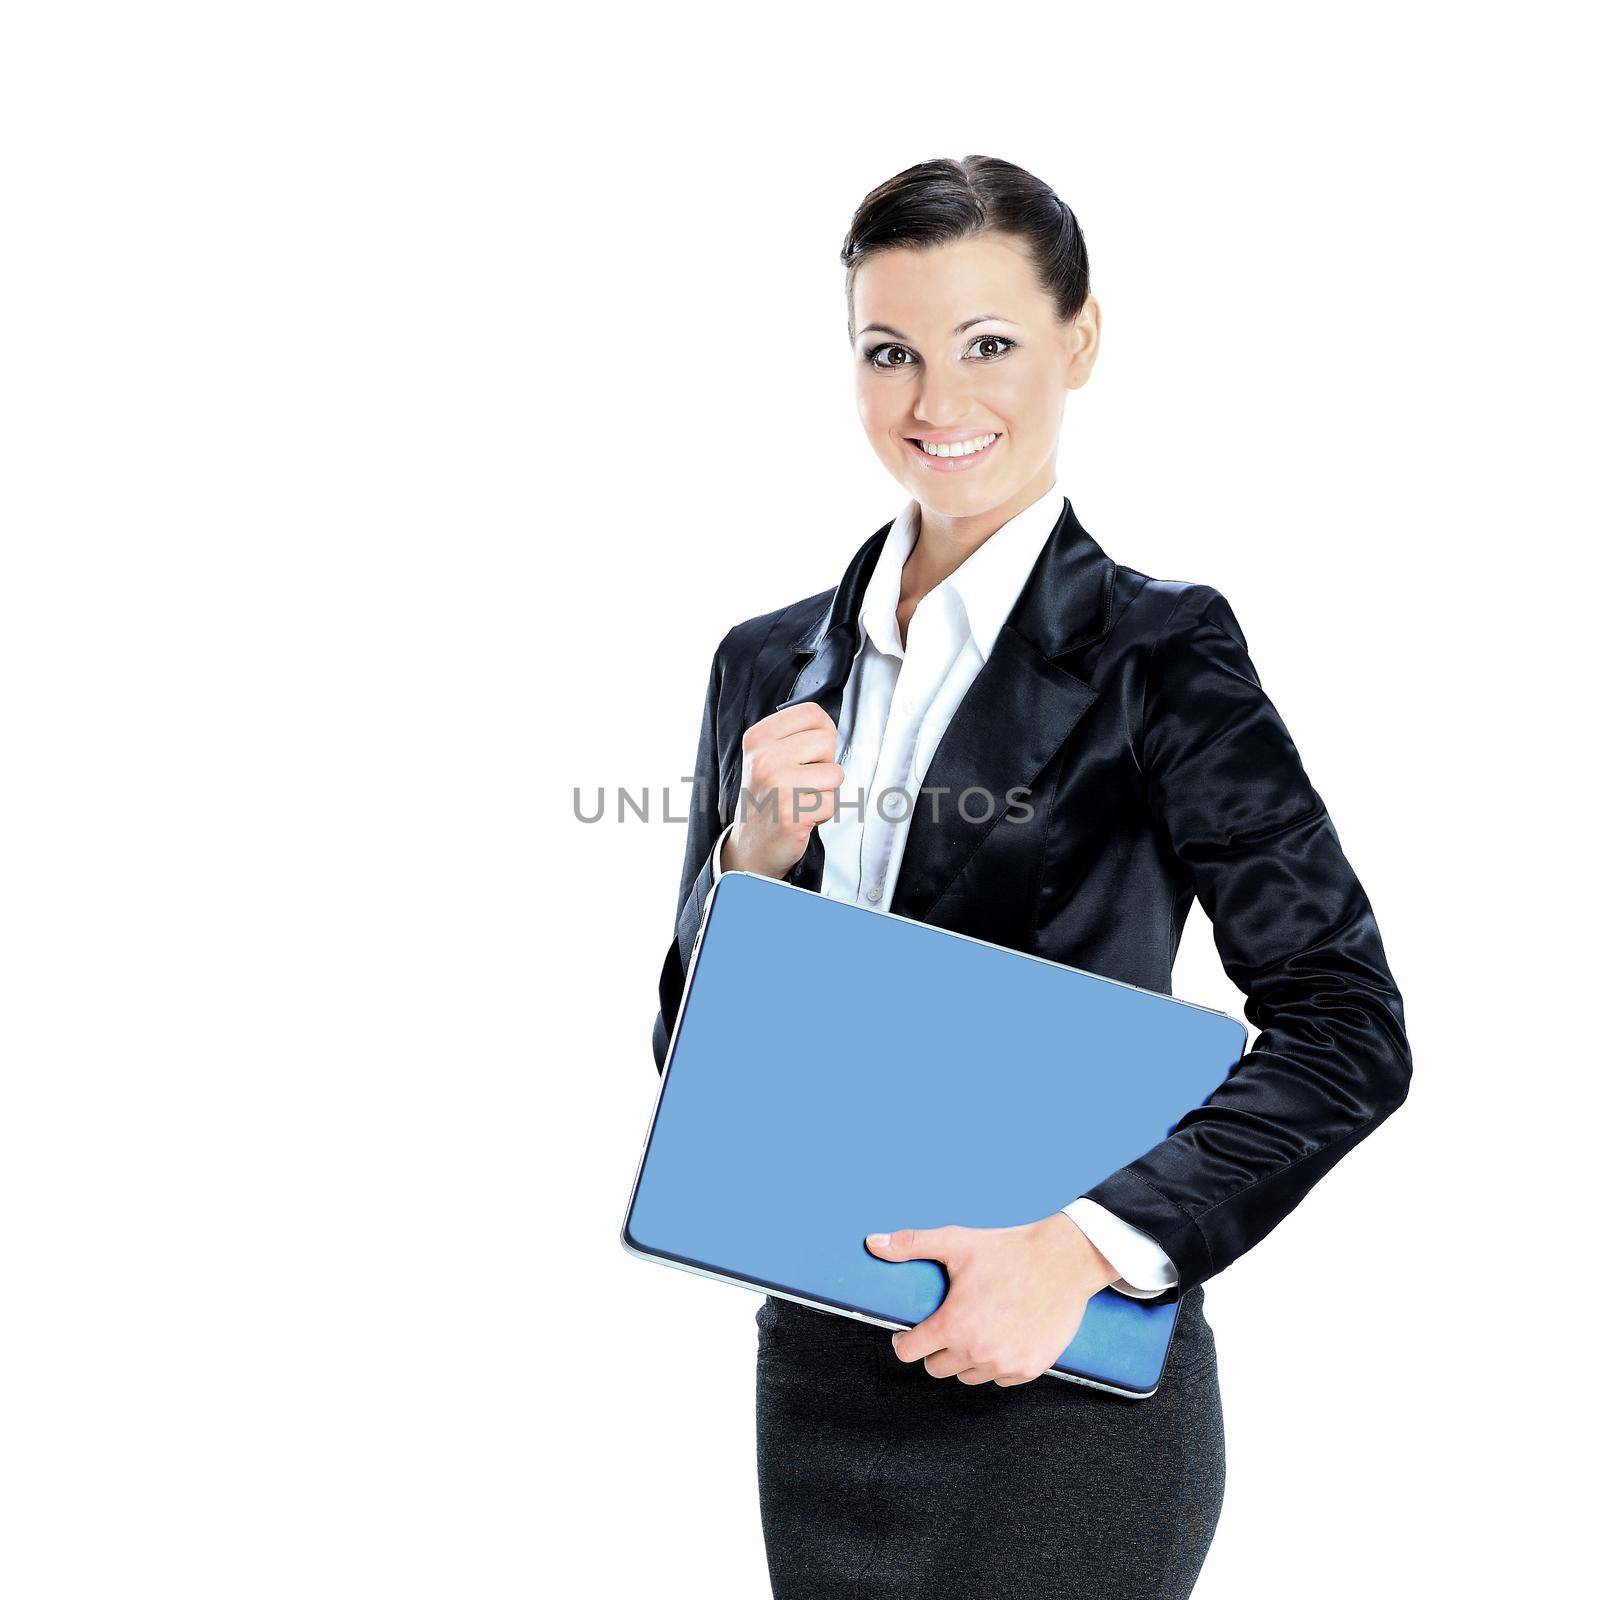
{"x":877,"y":1238}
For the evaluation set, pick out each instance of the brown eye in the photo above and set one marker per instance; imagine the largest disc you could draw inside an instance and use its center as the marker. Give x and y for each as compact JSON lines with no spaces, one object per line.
{"x":890,"y":355}
{"x":997,"y":345}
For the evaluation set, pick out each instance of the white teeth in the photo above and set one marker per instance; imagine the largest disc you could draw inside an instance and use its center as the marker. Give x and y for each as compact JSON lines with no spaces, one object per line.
{"x":967,"y":447}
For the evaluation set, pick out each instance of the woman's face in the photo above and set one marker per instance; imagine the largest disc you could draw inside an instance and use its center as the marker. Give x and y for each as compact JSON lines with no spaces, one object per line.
{"x":958,"y":344}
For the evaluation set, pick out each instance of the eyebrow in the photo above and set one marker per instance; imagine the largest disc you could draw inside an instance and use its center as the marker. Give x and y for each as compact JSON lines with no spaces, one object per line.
{"x":960,"y":327}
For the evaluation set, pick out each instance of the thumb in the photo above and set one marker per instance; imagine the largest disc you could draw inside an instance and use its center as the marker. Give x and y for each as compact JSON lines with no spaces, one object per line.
{"x":915,"y":1244}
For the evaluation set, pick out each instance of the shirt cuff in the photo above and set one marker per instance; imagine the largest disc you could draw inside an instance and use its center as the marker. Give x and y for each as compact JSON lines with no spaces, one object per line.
{"x":1146,"y":1269}
{"x":716,"y":853}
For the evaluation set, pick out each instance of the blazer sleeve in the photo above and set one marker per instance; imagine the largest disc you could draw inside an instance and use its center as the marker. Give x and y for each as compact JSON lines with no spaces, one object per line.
{"x":696,"y":878}
{"x":1295,"y":932}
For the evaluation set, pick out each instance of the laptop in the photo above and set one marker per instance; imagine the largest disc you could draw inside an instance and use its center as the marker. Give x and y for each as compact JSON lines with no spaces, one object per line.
{"x":837,"y":1071}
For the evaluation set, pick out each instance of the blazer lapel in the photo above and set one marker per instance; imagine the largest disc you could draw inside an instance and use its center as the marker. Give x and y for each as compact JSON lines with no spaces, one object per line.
{"x":826,"y":650}
{"x":1017,"y":714}
{"x":825,"y":655}
{"x":1012,"y":720}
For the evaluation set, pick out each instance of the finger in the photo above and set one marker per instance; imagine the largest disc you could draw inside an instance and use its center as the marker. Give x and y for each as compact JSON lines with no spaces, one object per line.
{"x":805,"y":795}
{"x":809,"y":792}
{"x":806,"y":744}
{"x":792,"y":718}
{"x":775,"y":770}
{"x":986,"y":1372}
{"x":944,"y":1364}
{"x":918,"y":1244}
{"x":927,"y":1338}
{"x":779,"y":786}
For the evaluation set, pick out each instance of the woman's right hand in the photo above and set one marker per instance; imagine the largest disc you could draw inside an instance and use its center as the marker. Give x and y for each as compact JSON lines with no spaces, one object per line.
{"x":789,"y":784}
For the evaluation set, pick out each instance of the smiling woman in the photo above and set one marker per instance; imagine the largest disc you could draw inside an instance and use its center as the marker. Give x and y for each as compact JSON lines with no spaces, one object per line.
{"x":962,"y":372}
{"x":941,"y":1461}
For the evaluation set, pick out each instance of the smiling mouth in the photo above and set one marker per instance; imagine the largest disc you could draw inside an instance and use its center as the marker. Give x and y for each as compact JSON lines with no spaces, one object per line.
{"x":974,"y":446}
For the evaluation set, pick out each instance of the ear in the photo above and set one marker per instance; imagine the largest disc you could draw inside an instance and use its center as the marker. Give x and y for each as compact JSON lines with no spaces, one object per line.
{"x":1081,"y":344}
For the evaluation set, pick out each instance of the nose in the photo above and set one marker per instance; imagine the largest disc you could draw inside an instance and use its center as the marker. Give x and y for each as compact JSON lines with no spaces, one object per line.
{"x":944,"y":398}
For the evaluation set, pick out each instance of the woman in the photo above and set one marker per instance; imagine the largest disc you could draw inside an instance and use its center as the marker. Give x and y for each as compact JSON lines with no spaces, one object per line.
{"x":983,"y":640}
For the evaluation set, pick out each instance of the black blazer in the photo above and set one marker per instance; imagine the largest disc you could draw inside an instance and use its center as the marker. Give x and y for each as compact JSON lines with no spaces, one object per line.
{"x":1159,"y":772}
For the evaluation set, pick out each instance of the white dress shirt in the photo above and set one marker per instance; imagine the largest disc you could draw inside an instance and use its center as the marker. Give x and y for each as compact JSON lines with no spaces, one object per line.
{"x":897,"y":702}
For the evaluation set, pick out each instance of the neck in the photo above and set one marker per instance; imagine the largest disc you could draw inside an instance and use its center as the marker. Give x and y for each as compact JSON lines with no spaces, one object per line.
{"x":943,"y":542}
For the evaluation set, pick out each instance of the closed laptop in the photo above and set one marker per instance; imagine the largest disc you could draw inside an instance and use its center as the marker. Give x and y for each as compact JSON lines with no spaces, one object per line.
{"x":837,"y":1071}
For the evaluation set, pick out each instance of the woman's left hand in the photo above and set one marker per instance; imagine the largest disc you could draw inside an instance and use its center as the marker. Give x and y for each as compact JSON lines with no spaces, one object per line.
{"x":1015,"y":1300}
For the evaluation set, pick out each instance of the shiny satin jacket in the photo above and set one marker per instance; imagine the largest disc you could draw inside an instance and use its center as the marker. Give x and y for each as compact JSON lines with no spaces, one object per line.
{"x":1157,"y":772}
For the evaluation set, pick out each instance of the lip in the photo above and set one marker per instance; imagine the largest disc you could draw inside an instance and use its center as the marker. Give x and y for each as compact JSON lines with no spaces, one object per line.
{"x":952,"y":463}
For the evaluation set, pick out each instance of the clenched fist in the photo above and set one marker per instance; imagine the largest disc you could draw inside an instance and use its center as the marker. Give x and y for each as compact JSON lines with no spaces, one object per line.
{"x":790,"y":783}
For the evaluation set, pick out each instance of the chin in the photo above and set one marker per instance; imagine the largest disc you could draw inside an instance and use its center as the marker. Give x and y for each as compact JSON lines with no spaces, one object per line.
{"x":959,"y":498}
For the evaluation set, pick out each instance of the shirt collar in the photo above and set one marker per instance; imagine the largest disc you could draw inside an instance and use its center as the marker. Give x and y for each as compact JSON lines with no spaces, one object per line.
{"x":984,"y":587}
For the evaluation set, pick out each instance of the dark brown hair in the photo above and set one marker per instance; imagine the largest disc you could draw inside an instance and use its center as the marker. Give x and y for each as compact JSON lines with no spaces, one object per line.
{"x":939,"y":202}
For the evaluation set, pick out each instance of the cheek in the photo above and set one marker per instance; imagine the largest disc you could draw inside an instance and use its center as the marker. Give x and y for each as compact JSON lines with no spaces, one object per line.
{"x":877,"y":403}
{"x":1023,"y":400}
{"x":882,"y":407}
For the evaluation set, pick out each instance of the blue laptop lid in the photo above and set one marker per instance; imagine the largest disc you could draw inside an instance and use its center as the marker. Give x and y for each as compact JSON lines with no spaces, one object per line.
{"x":838,"y":1071}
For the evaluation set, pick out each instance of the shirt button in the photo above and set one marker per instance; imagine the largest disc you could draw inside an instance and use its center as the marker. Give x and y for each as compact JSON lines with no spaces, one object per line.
{"x":875,"y":893}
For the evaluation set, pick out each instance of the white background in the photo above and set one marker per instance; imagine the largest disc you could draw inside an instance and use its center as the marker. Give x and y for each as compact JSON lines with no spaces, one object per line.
{"x":400,"y":403}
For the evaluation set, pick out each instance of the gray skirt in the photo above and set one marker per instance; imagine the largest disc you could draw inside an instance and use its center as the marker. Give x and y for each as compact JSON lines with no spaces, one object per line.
{"x":877,"y":1480}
